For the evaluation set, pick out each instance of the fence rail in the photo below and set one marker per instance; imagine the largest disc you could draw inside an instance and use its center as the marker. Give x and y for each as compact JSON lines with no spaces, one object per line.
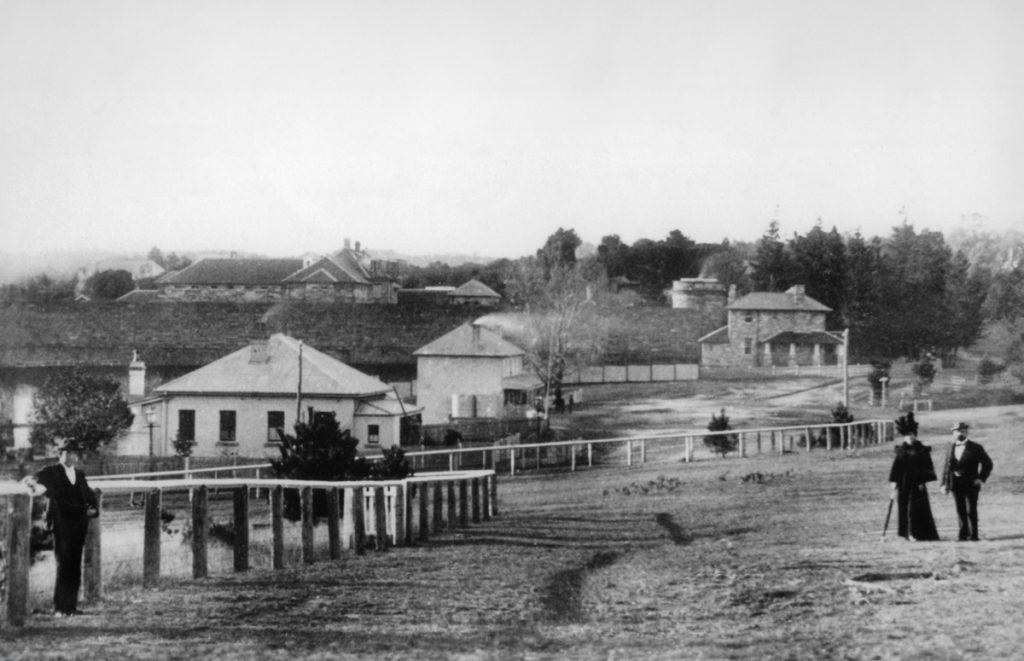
{"x":360,"y":516}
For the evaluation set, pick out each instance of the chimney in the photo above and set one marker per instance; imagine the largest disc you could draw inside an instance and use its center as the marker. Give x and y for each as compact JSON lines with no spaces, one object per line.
{"x":136,"y":376}
{"x":798,"y":293}
{"x":357,"y":246}
{"x":348,"y":244}
{"x":732,"y":295}
{"x":476,"y":335}
{"x":259,"y":352}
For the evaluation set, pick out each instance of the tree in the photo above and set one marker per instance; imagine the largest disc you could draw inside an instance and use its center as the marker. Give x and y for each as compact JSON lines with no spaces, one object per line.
{"x":819,"y":262}
{"x":727,"y":264}
{"x":719,"y":443}
{"x":111,"y":284}
{"x":88,"y":411}
{"x":322,"y":451}
{"x":559,"y":251}
{"x":770,"y":267}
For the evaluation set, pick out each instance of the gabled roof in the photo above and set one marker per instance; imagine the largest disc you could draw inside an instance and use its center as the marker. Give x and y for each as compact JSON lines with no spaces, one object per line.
{"x":789,"y":301}
{"x":476,"y":289}
{"x":330,"y":269}
{"x":470,"y":340}
{"x":720,"y":336}
{"x":227,"y":271}
{"x":277,"y":374}
{"x":812,"y":337}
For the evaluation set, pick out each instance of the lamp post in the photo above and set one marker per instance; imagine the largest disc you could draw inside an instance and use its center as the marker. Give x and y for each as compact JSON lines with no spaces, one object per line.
{"x":883,"y":380}
{"x":150,"y":422}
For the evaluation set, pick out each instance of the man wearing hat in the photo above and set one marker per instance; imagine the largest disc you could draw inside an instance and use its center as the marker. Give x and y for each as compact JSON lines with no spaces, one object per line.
{"x":966,"y":469}
{"x":72,"y":504}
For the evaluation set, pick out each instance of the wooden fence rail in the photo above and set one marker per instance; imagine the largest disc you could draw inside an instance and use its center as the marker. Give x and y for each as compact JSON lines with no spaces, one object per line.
{"x":360,"y":515}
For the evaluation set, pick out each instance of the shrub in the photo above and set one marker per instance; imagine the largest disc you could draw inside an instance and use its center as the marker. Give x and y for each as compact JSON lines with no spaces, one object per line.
{"x":924,"y":370}
{"x":183,"y":446}
{"x":322,"y":451}
{"x":879,"y":370}
{"x":988,"y":370}
{"x":721,"y":444}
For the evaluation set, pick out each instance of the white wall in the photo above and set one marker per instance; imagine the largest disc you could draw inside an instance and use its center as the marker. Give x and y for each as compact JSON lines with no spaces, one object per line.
{"x":440,"y":377}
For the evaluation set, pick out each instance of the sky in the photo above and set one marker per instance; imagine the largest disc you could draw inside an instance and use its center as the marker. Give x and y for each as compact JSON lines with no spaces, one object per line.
{"x":480,"y":127}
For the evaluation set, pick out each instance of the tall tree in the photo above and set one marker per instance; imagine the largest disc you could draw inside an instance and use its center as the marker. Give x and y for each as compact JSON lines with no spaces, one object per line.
{"x":770,"y":267}
{"x":559,"y":251}
{"x":819,"y":262}
{"x":88,"y":411}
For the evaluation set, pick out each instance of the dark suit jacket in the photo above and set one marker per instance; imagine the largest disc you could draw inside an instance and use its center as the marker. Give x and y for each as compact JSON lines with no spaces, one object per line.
{"x":973,"y":465}
{"x":71,"y":500}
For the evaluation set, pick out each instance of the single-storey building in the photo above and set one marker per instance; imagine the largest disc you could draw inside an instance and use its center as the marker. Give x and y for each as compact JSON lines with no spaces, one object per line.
{"x":471,"y":373}
{"x":768,"y":329}
{"x":238,"y":404}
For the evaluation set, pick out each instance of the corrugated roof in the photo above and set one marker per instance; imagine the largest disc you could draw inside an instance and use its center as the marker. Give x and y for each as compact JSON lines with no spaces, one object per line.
{"x":813,"y":337}
{"x":470,"y":340}
{"x":221,"y":271}
{"x":720,"y":336}
{"x":329,"y":269}
{"x":278,"y":374}
{"x":776,"y":301}
{"x":476,"y":289}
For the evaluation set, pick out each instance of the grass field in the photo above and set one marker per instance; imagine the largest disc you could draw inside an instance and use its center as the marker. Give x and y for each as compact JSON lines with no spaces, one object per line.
{"x":768,"y":557}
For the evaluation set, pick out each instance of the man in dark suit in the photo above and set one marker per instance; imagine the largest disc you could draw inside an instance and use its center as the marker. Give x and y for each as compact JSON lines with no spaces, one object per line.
{"x":966,"y":469}
{"x":72,"y":504}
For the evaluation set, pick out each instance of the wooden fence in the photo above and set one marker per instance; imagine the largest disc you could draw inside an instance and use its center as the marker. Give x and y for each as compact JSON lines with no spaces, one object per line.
{"x":360,"y":515}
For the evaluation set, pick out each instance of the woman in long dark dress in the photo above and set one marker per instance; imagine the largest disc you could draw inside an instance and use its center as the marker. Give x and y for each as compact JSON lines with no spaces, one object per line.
{"x":911,"y":470}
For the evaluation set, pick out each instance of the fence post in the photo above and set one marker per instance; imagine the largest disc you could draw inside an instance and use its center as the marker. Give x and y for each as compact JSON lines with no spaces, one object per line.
{"x":512,"y":462}
{"x":151,"y":540}
{"x":629,"y":453}
{"x":494,"y":493}
{"x":400,"y":511}
{"x":743,"y":444}
{"x":475,"y":493}
{"x":485,"y":499}
{"x":590,"y":455}
{"x":307,"y":525}
{"x":643,"y":451}
{"x":333,"y":521}
{"x":451,"y":505}
{"x":423,"y":491}
{"x":277,"y":527}
{"x":380,"y":519}
{"x":809,"y":443}
{"x":358,"y":518}
{"x":759,"y":442}
{"x":464,"y":503}
{"x":241,"y":509}
{"x":17,"y":510}
{"x":437,"y":519}
{"x":200,"y":532}
{"x":92,"y":575}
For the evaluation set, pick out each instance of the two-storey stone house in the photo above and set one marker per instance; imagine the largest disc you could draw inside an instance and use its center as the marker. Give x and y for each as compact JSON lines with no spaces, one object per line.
{"x":768,"y":329}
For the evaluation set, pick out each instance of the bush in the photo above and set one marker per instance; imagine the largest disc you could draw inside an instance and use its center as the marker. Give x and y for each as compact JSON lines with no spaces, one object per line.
{"x":721,"y":444}
{"x":988,"y":370}
{"x":925,"y":371}
{"x":322,"y":451}
{"x":880,"y":370}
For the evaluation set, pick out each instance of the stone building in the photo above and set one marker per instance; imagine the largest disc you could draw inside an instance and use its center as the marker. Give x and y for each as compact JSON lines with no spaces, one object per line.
{"x":766,"y":329}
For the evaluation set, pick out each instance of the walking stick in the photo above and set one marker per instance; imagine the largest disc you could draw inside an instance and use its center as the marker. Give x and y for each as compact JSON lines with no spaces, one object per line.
{"x":888,"y":515}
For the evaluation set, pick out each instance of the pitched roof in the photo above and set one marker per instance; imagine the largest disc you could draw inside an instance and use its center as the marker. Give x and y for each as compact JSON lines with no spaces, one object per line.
{"x":789,"y":301}
{"x":470,"y":340}
{"x":139,"y":296}
{"x":720,"y":336}
{"x":476,"y":289}
{"x":226,"y":271}
{"x":277,"y":374}
{"x":329,"y":269}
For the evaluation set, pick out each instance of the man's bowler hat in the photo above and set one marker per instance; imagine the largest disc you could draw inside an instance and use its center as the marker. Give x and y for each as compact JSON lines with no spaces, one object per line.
{"x":960,"y":426}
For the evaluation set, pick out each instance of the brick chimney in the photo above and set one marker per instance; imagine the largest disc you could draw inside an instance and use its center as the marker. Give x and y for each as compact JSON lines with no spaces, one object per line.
{"x":797,"y":292}
{"x":348,"y":244}
{"x":732,"y":295}
{"x":136,"y":376}
{"x":259,"y":351}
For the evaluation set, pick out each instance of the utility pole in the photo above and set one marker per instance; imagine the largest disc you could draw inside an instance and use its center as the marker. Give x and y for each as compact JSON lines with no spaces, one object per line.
{"x":846,"y":368}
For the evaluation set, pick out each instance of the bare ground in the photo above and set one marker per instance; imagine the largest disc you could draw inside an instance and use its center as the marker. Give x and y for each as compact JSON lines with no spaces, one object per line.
{"x":776,"y":557}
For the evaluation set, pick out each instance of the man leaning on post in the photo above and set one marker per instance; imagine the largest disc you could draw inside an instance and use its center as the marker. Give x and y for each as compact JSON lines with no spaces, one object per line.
{"x":72,"y":504}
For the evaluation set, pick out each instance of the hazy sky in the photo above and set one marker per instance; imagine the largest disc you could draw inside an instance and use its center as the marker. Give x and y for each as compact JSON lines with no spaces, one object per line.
{"x":282,"y":127}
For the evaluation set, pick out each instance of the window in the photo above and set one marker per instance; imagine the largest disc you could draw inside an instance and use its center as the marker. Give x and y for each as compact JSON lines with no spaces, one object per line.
{"x":275,"y":421}
{"x":373,"y":434}
{"x":227,"y":426}
{"x":748,"y":316}
{"x":748,"y":345}
{"x":187,"y":425}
